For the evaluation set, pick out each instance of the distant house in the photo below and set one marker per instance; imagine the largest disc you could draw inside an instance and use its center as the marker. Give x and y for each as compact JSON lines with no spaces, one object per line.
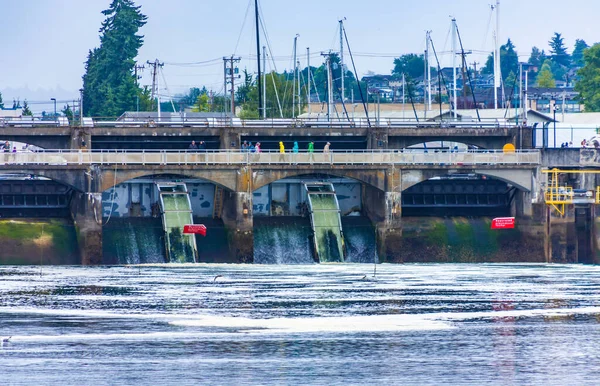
{"x":542,"y":99}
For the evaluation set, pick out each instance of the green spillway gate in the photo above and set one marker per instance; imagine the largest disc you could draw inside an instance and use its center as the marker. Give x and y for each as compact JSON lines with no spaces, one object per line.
{"x":176,"y":210}
{"x":326,"y":222}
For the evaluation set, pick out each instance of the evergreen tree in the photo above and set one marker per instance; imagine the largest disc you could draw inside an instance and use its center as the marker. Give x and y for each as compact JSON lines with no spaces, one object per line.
{"x":109,"y":84}
{"x":1,"y":103}
{"x":545,"y":77}
{"x":589,"y":79}
{"x":577,"y":56}
{"x":509,"y":61}
{"x":26,"y":111}
{"x":558,"y":50}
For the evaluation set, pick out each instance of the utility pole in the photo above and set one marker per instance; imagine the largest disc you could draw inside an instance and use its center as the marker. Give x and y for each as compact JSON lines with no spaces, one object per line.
{"x":138,"y":77}
{"x":463,"y":55}
{"x":155,"y":83}
{"x":230,"y":76}
{"x":475,"y":70}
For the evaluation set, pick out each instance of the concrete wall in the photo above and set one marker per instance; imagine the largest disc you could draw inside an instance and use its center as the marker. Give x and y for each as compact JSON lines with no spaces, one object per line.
{"x":288,"y":197}
{"x":136,"y":198}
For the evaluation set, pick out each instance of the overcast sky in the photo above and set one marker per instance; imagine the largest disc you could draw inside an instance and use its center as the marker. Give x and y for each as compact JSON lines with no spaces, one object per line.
{"x":45,"y":42}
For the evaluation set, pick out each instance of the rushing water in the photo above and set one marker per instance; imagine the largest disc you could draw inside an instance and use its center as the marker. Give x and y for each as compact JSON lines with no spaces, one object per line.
{"x":313,"y":324}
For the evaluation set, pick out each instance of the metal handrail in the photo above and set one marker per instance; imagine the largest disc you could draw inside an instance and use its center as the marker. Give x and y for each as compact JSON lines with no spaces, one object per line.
{"x":236,"y":157}
{"x":273,"y":123}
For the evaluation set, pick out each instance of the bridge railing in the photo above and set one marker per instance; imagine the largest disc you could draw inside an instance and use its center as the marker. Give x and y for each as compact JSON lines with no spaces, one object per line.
{"x":338,"y":122}
{"x":386,"y":157}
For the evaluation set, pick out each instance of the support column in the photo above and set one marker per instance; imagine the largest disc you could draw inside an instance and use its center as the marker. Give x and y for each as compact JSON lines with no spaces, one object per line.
{"x":237,"y":217}
{"x":523,"y":203}
{"x":86,"y":209}
{"x":377,"y":138}
{"x":384,"y":209}
{"x":80,"y":139}
{"x":230,"y":139}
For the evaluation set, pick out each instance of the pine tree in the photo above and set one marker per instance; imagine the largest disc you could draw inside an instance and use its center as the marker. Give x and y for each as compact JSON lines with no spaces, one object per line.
{"x":1,"y":103}
{"x":558,"y":50}
{"x":109,"y":84}
{"x":26,"y":111}
{"x":577,"y":57}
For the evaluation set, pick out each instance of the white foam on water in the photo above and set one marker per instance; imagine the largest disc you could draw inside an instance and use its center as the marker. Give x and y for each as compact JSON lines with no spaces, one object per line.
{"x":341,"y":324}
{"x":15,"y":339}
{"x":545,"y":312}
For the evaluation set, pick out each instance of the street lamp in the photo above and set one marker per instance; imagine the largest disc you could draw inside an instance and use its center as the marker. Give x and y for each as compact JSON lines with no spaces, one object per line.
{"x":54,"y":100}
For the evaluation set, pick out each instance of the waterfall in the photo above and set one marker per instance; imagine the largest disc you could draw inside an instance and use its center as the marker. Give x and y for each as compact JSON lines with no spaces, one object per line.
{"x":133,"y":241}
{"x":282,"y":240}
{"x":360,"y":238}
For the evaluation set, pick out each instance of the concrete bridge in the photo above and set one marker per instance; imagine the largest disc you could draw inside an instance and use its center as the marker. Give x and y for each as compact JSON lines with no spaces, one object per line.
{"x":178,"y":136}
{"x":383,"y":175}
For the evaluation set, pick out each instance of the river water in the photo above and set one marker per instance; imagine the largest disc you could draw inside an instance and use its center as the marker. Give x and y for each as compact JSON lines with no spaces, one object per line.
{"x":311,"y":324}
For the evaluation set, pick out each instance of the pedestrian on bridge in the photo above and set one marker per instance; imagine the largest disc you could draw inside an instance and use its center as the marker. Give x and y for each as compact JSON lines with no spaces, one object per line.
{"x":311,"y":150}
{"x":326,"y":148}
{"x":295,"y":150}
{"x":281,"y":152}
{"x":193,"y":146}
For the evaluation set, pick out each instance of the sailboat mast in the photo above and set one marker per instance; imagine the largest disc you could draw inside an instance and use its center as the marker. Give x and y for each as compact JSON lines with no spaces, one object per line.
{"x":264,"y":85}
{"x":294,"y":80}
{"x":427,"y":55}
{"x":342,"y":56}
{"x":454,"y":64}
{"x":497,"y":82}
{"x":308,"y":76}
{"x":259,"y":79}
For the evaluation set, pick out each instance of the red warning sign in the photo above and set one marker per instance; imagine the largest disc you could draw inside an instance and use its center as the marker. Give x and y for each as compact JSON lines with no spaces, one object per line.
{"x":503,"y":223}
{"x":193,"y":229}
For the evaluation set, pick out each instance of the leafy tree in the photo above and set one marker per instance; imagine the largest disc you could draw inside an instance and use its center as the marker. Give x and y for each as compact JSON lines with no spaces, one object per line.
{"x":109,"y":84}
{"x":202,"y":104}
{"x":410,"y":65}
{"x":577,"y":56}
{"x":545,"y":77}
{"x":558,"y":50}
{"x":510,"y":80}
{"x":589,"y":79}
{"x":26,"y":111}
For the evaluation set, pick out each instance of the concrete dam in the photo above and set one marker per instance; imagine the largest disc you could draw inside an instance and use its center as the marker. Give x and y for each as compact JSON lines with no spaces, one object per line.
{"x":80,"y":205}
